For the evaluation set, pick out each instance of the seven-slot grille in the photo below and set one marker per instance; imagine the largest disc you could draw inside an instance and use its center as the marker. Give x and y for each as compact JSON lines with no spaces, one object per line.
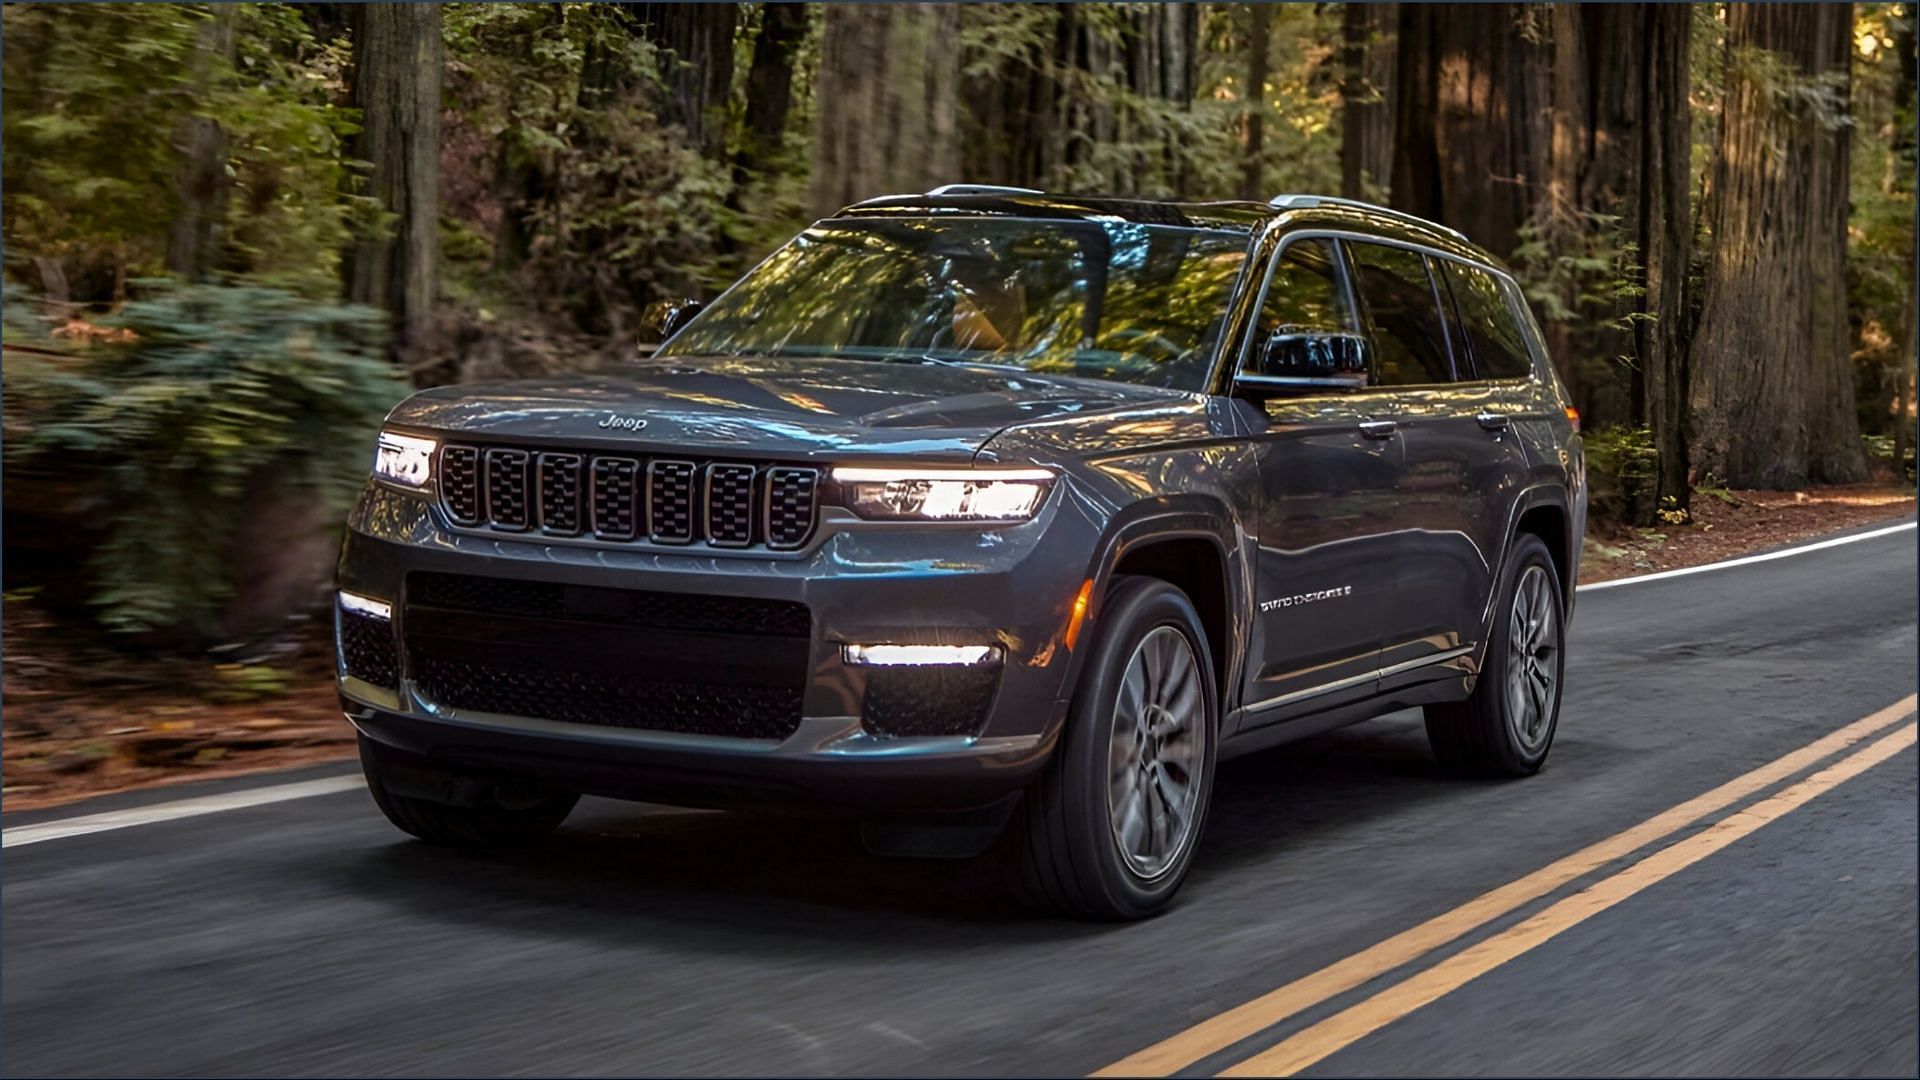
{"x":613,"y":497}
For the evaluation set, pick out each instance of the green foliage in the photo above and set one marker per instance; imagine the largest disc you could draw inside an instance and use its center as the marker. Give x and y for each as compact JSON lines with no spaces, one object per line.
{"x":1623,"y":467}
{"x":592,"y":200}
{"x":95,"y":108}
{"x":207,"y":391}
{"x":1880,"y":227}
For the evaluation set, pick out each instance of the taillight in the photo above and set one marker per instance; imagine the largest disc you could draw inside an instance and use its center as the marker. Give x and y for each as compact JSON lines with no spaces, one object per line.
{"x":1573,"y":417}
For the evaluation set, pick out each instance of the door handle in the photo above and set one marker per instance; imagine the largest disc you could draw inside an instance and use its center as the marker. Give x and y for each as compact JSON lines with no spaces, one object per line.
{"x":1493,"y":421}
{"x":1378,"y":429}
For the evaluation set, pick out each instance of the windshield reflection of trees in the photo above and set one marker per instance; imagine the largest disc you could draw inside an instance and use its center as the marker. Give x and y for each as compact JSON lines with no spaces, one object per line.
{"x":1111,"y":300}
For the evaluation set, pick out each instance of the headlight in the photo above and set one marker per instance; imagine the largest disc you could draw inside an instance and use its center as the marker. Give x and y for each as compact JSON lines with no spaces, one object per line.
{"x":404,"y":460}
{"x":909,"y":494}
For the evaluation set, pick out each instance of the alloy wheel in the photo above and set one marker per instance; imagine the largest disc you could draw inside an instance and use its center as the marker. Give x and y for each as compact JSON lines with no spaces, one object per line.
{"x":1533,"y":649}
{"x":1156,"y":754}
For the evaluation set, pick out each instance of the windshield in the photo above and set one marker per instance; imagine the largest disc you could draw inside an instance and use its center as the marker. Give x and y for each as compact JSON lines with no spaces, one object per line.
{"x":1108,"y":300}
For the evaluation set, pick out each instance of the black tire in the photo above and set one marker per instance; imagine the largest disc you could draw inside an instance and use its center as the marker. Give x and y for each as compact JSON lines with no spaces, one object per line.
{"x":1062,"y":847}
{"x":485,"y":820}
{"x":1481,"y":735}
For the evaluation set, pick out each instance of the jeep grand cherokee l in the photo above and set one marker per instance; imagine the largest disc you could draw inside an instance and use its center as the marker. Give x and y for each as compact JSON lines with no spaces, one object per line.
{"x":982,"y":513}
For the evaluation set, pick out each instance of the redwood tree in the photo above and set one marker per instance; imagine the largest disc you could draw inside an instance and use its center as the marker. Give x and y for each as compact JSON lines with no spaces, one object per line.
{"x":1835,"y":454}
{"x":396,"y":85}
{"x":201,"y":182}
{"x":1471,"y":131}
{"x":769,"y":86}
{"x":696,"y":67}
{"x":1764,"y":351}
{"x":1663,"y":232}
{"x":1259,"y":38}
{"x":891,"y":75}
{"x":1367,"y":37}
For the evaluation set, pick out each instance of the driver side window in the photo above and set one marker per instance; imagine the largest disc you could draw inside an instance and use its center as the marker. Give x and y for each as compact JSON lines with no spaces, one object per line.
{"x":1304,"y":296}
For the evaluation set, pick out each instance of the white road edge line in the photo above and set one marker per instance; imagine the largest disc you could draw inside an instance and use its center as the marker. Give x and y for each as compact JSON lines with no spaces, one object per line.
{"x":240,"y":800}
{"x":1801,"y":549}
{"x":171,"y":811}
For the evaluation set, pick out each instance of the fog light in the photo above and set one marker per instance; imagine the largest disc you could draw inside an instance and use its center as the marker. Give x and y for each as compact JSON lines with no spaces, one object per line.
{"x":903,"y":655}
{"x":365,"y":605}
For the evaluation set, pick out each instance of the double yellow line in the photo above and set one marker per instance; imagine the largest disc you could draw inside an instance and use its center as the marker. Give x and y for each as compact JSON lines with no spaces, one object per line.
{"x":1342,"y":1029}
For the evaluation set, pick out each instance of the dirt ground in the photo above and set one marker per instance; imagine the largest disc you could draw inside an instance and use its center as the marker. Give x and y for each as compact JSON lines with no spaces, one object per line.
{"x":81,"y":720}
{"x":1727,"y":524}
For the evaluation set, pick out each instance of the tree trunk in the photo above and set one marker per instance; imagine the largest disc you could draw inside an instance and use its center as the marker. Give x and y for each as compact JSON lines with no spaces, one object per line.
{"x":889,"y":80}
{"x":396,"y":85}
{"x":696,"y":68}
{"x":1751,"y":372}
{"x":523,"y":174}
{"x":1665,"y":236}
{"x":1259,"y":38}
{"x":1618,"y":187}
{"x":1470,"y":117}
{"x":1904,"y":115}
{"x":1366,"y":103}
{"x":783,"y":27}
{"x":200,"y":183}
{"x":1835,"y":454}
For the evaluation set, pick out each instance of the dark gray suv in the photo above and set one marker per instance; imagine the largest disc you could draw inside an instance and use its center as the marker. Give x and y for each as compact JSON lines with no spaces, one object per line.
{"x":985,"y":515}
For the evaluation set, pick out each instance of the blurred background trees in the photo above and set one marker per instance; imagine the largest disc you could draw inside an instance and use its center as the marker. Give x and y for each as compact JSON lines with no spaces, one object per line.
{"x":1711,"y":207}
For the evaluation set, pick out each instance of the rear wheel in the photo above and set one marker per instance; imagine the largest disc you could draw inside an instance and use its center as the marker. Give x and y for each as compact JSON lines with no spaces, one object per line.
{"x":1109,"y":830}
{"x":487,"y":816}
{"x":1506,"y":727}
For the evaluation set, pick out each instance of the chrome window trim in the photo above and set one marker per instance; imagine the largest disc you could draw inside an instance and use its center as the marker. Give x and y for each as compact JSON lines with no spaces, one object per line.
{"x":1344,"y":236}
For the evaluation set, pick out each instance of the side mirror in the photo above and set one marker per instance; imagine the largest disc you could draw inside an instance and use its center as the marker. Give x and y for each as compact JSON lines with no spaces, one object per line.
{"x":664,"y":318}
{"x":1293,"y":361}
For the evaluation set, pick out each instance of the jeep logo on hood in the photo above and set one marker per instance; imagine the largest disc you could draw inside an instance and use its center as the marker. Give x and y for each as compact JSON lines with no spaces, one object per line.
{"x":624,"y":423}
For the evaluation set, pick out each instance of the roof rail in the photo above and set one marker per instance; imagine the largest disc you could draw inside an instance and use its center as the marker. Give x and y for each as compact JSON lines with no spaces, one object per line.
{"x":1308,"y":202}
{"x":983,"y":189}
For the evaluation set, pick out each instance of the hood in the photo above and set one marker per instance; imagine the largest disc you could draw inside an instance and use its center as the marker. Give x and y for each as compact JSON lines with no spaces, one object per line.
{"x":777,"y":406}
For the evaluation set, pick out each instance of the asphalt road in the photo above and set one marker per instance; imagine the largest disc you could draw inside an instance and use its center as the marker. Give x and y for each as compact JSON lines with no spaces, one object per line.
{"x":308,"y":937}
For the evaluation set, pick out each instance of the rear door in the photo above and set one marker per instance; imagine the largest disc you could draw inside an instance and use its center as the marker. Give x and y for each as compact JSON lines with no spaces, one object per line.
{"x":1328,"y":475}
{"x":1493,"y":398}
{"x":1462,"y":464}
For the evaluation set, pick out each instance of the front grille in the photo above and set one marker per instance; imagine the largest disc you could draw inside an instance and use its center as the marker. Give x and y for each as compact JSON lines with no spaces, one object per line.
{"x":929,"y":700}
{"x":460,"y":483}
{"x":790,"y":496}
{"x":366,"y":648}
{"x":678,"y":662}
{"x":616,"y":512}
{"x":670,"y":501}
{"x":627,"y":607}
{"x":730,"y":504}
{"x":506,"y":487}
{"x":560,"y":493}
{"x":607,"y":699}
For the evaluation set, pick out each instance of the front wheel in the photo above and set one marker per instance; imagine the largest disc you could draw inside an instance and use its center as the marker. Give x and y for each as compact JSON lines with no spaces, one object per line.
{"x":1506,"y":727}
{"x":1109,"y":829}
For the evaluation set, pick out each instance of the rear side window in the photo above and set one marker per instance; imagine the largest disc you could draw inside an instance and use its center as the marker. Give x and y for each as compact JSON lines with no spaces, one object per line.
{"x":1487,"y":316}
{"x":1409,"y":334}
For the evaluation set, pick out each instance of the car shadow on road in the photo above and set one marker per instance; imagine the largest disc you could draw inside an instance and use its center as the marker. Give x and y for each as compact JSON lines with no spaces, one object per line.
{"x":734,"y":882}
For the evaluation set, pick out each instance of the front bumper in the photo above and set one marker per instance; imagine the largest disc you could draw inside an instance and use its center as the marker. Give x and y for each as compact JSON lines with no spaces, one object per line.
{"x":862,"y":584}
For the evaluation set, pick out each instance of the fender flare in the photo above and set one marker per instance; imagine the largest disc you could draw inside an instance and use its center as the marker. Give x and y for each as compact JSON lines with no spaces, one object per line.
{"x":1185,"y":517}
